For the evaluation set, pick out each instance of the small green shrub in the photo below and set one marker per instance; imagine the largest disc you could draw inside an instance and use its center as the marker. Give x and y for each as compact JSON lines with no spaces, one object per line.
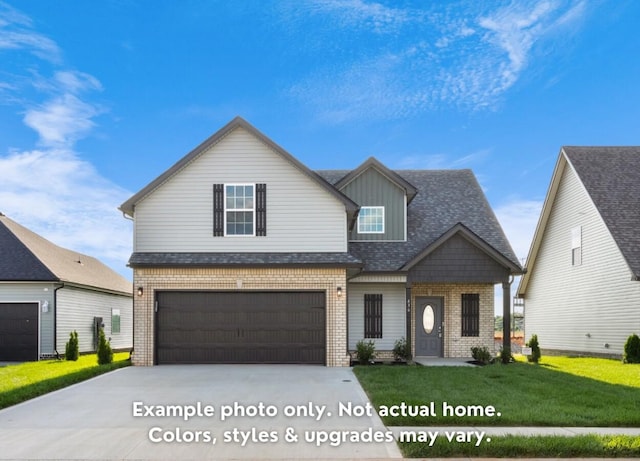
{"x":105,"y":354}
{"x":505,"y":356}
{"x":535,"y":349}
{"x":365,"y":351}
{"x":632,"y":349}
{"x":481,"y":354}
{"x":401,"y":350}
{"x":72,"y":349}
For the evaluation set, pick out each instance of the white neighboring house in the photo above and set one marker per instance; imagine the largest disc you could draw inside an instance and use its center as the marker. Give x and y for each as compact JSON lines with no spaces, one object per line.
{"x":582,"y":288}
{"x":47,"y":291}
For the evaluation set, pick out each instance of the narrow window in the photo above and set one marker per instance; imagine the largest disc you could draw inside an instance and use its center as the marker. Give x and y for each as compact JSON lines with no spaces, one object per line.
{"x":373,"y":316}
{"x":239,"y":209}
{"x":115,"y":321}
{"x":576,"y":246}
{"x":471,"y":315}
{"x":371,"y":220}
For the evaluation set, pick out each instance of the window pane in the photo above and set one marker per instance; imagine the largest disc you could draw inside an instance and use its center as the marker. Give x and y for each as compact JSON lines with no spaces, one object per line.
{"x":428,"y":319}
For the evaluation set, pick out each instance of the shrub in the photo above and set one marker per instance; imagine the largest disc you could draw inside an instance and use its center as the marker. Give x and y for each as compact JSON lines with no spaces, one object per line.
{"x":365,"y":351}
{"x":105,"y":354}
{"x":535,"y":349}
{"x":505,"y":356}
{"x":481,"y":354}
{"x":632,"y":349}
{"x":401,"y":350}
{"x":72,"y":349}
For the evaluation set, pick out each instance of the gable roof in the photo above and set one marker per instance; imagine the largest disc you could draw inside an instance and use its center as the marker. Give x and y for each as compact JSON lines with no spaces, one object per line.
{"x":238,"y":122}
{"x":26,"y":256}
{"x":611,"y":178}
{"x":392,"y":176}
{"x":443,"y":200}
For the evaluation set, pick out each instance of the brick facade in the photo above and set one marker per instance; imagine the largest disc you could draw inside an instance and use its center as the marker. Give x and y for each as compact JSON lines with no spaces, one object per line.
{"x":240,"y":279}
{"x":455,"y":345}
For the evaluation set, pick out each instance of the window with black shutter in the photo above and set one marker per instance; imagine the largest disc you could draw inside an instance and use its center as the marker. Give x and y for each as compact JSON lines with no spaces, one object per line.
{"x":471,"y":315}
{"x":373,"y":316}
{"x":239,"y":209}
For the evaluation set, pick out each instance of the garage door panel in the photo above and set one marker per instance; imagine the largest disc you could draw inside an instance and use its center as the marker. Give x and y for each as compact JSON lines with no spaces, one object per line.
{"x":241,"y":327}
{"x":18,"y":331}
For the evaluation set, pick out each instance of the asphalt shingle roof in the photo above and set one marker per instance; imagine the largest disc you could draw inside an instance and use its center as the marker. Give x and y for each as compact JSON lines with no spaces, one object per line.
{"x":26,"y":256}
{"x":444,"y":198}
{"x":611,"y":176}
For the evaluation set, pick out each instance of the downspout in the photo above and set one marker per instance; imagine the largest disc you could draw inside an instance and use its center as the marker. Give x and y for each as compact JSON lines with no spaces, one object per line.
{"x":133,"y":301}
{"x":55,"y":319}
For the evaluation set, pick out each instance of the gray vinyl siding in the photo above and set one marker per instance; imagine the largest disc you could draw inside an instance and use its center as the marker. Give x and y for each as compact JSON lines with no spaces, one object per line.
{"x":458,"y":261}
{"x":373,"y":189}
{"x":34,"y":293}
{"x":76,"y":309}
{"x":393,"y":313}
{"x":301,"y":215}
{"x":580,"y":308}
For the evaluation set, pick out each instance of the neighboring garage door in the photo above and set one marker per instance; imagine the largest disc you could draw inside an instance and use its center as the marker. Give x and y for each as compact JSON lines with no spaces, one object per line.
{"x":18,"y":332}
{"x":240,"y":327}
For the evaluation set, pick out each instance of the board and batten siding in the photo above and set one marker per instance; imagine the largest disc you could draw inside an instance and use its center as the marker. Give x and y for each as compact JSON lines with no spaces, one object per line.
{"x":393,"y":313}
{"x":301,"y":215}
{"x":371,"y":188}
{"x":580,"y":308}
{"x":28,"y":292}
{"x":77,"y":308}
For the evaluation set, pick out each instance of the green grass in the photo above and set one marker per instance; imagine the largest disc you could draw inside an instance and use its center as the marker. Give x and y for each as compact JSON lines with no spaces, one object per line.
{"x":31,"y":379}
{"x":588,"y":446}
{"x":560,"y":391}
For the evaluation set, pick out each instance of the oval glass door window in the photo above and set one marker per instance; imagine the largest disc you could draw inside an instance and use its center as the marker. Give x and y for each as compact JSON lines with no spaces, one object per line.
{"x":428,"y":319}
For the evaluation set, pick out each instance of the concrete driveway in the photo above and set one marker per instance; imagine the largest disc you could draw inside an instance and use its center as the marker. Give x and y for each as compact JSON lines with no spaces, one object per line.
{"x":200,"y":412}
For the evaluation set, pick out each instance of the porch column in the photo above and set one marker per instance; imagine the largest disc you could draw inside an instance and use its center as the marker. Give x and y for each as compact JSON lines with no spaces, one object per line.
{"x":506,"y":316}
{"x":409,"y":320}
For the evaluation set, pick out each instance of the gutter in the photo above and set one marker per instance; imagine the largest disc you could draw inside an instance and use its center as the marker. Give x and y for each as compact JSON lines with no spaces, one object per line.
{"x":55,"y":319}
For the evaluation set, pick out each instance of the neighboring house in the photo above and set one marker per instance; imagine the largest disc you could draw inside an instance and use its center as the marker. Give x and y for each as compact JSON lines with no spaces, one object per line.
{"x":243,"y":254}
{"x":47,"y":291}
{"x":582,"y":288}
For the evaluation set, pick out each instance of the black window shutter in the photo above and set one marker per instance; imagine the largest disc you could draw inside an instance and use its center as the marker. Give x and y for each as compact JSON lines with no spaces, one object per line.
{"x":261,"y":210}
{"x":218,"y":210}
{"x":373,"y":316}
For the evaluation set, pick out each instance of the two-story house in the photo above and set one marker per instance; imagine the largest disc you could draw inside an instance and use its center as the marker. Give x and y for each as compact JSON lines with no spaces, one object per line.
{"x":242,"y":254}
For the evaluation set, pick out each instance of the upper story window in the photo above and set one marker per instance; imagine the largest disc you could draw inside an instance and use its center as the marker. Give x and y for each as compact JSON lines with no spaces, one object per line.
{"x":371,"y":220}
{"x":576,"y":246}
{"x":239,"y":209}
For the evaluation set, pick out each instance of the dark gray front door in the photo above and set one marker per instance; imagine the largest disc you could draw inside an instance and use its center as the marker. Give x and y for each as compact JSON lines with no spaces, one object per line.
{"x":18,"y":331}
{"x":240,"y":327}
{"x":429,"y":327}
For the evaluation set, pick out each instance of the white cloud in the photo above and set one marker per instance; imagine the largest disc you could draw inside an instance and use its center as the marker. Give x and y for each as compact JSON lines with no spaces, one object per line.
{"x":359,"y":13}
{"x":16,"y":33}
{"x":434,"y":57}
{"x":62,"y":120}
{"x":52,"y":190}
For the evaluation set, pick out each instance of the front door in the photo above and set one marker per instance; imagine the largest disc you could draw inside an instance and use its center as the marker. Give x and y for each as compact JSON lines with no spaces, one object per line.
{"x":429,"y":327}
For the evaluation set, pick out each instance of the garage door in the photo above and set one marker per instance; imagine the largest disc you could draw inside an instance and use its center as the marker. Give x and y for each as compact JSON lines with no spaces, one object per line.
{"x":18,"y":332}
{"x":240,"y":327}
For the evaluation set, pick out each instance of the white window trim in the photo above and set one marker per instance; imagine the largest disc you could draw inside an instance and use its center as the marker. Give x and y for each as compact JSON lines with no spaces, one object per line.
{"x":253,"y":210}
{"x":371,"y":208}
{"x":576,"y":246}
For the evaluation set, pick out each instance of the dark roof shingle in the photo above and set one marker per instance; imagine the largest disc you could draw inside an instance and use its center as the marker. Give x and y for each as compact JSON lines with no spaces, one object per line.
{"x":611,"y":176}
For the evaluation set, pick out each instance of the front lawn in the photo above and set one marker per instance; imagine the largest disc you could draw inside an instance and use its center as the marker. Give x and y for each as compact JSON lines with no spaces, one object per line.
{"x":31,"y":379}
{"x":515,"y":447}
{"x":560,"y":391}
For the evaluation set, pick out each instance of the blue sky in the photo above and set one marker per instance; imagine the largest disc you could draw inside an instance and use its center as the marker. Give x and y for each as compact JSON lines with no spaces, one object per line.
{"x":98,"y":98}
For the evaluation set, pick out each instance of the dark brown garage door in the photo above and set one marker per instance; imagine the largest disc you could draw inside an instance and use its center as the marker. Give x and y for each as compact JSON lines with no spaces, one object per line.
{"x":240,"y":327}
{"x":18,"y":332}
